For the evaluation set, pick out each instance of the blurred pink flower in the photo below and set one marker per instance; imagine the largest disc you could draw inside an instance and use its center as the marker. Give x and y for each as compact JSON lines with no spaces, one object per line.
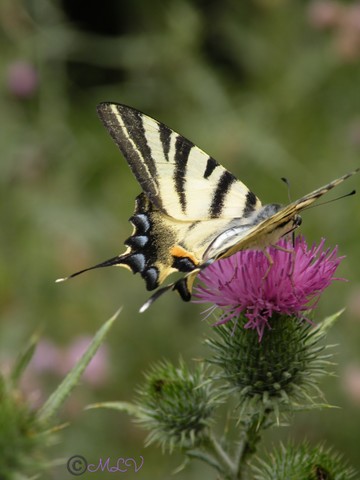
{"x":351,"y":383}
{"x":22,"y":79}
{"x":348,"y":39}
{"x":348,"y":44}
{"x":344,"y":20}
{"x":97,"y":371}
{"x":49,"y":358}
{"x":45,"y":360}
{"x":351,"y":17}
{"x":324,"y":13}
{"x":240,"y":284}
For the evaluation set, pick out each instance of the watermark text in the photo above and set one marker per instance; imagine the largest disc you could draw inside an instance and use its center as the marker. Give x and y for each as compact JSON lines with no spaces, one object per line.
{"x":78,"y":465}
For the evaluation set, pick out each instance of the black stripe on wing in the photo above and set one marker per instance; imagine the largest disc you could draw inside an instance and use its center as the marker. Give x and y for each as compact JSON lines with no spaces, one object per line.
{"x":210,"y":167}
{"x":182,"y":151}
{"x":131,"y":140}
{"x":165,"y":138}
{"x":133,"y":121}
{"x":222,"y":189}
{"x":250,"y":204}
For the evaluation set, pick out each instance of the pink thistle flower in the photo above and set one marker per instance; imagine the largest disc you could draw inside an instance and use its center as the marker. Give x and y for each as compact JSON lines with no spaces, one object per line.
{"x":244,"y":283}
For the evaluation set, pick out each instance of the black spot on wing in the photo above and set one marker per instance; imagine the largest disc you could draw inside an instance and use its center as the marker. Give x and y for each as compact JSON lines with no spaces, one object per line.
{"x":183,"y":264}
{"x":182,"y":150}
{"x":222,"y":189}
{"x":149,"y":244}
{"x":141,"y":222}
{"x":210,"y":167}
{"x":141,"y":242}
{"x":250,"y":203}
{"x":181,"y":286}
{"x":151,"y":276}
{"x":137,"y":241}
{"x":165,"y":137}
{"x":136,"y":261}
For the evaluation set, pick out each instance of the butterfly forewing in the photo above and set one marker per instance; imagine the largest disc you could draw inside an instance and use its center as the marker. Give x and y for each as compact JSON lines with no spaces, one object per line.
{"x":180,"y":179}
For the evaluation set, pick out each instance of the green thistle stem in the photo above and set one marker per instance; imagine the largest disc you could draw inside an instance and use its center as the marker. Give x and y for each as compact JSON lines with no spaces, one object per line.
{"x":248,"y":439}
{"x":227,"y":466}
{"x":241,"y":454}
{"x":214,"y":455}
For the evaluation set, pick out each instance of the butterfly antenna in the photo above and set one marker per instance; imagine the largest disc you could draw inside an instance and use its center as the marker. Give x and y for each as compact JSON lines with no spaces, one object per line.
{"x":353,"y":192}
{"x":287,"y":183}
{"x":107,"y":263}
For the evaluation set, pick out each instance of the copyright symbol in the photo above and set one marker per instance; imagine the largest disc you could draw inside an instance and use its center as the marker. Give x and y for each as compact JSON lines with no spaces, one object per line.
{"x":77,"y":465}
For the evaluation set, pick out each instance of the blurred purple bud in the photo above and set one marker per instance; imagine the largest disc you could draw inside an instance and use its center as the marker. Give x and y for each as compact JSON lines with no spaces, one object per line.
{"x":96,"y":372}
{"x":22,"y":79}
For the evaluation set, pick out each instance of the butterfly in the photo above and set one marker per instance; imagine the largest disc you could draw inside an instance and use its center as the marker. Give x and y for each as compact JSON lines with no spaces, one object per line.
{"x":192,"y":211}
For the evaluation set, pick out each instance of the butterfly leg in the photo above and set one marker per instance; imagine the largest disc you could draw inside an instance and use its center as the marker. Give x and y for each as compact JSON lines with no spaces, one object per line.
{"x":282,"y":249}
{"x":271,"y":263}
{"x":291,"y":272}
{"x":292,"y":252}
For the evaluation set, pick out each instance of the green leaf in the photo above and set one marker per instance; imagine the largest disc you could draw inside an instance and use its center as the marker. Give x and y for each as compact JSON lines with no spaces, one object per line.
{"x":325,"y":325}
{"x":57,"y":398}
{"x":24,"y":358}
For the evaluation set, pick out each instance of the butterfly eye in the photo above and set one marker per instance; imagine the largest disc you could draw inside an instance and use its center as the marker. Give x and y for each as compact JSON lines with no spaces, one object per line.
{"x":297,"y":221}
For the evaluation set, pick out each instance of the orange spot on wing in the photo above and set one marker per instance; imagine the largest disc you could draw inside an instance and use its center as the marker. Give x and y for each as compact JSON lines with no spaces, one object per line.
{"x":180,"y":252}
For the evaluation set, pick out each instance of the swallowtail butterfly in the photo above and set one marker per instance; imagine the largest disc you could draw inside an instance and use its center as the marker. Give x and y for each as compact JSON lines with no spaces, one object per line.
{"x":192,"y":211}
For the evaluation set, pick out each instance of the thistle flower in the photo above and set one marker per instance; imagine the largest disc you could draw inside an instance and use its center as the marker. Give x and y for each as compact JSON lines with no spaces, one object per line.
{"x":245,"y":283}
{"x":279,"y":374}
{"x":303,"y":462}
{"x":176,"y":405}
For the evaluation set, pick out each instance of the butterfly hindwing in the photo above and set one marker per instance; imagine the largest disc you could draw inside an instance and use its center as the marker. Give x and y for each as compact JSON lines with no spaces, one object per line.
{"x":161,"y":245}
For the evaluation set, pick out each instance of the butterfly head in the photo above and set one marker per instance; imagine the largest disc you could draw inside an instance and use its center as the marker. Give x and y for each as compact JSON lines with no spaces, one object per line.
{"x":282,"y":218}
{"x":272,"y":222}
{"x":297,"y":221}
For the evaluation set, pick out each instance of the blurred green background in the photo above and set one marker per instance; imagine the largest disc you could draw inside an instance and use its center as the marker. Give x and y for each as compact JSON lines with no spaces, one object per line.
{"x":270,"y":88}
